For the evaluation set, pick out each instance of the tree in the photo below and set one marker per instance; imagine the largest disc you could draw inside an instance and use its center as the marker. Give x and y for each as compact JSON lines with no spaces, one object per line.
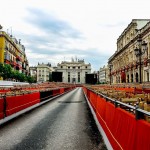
{"x":1,"y":69}
{"x":6,"y":71}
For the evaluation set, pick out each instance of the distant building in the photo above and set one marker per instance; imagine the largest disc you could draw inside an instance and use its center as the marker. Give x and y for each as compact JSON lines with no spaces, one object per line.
{"x":103,"y":75}
{"x":33,"y":72}
{"x":44,"y":72}
{"x":74,"y":71}
{"x":12,"y":52}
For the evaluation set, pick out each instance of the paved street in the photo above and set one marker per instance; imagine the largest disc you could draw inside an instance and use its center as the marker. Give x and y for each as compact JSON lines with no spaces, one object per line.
{"x":62,"y":124}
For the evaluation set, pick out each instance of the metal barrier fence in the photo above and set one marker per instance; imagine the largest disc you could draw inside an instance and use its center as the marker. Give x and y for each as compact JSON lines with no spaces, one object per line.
{"x":139,"y":113}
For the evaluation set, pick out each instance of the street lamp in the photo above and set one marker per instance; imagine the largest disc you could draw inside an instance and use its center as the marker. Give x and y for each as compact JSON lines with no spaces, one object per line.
{"x":110,"y":67}
{"x":139,"y":51}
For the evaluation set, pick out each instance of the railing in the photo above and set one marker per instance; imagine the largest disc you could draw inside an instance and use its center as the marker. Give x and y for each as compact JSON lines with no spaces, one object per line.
{"x":139,"y":113}
{"x":120,"y":124}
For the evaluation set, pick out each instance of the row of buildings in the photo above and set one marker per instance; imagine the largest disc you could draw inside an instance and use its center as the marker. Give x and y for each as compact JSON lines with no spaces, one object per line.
{"x":71,"y":71}
{"x":12,"y":52}
{"x":130,"y":63}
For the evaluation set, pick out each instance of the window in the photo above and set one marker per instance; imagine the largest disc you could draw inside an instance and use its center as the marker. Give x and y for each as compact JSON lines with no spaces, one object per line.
{"x":78,"y":67}
{"x":78,"y":78}
{"x":68,"y":78}
{"x":61,"y":66}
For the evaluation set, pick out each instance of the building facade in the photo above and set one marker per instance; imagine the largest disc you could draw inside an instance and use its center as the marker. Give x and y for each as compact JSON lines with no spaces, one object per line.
{"x":33,"y":72}
{"x":131,"y":61}
{"x":103,"y":75}
{"x":43,"y":72}
{"x":12,"y":52}
{"x":74,"y":71}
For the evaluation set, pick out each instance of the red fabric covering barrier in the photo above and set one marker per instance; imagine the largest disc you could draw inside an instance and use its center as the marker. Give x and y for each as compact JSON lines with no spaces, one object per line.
{"x":4,"y":90}
{"x":146,"y":90}
{"x":1,"y":108}
{"x":143,"y":135}
{"x":62,"y":90}
{"x":122,"y":129}
{"x":18,"y":103}
{"x":56,"y":92}
{"x":93,"y":100}
{"x":125,"y":89}
{"x":125,"y":128}
{"x":138,"y":91}
{"x":101,"y":107}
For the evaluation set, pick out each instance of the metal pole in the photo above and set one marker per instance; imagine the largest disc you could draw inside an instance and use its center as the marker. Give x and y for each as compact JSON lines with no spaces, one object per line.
{"x":110,"y":75}
{"x":140,"y":66}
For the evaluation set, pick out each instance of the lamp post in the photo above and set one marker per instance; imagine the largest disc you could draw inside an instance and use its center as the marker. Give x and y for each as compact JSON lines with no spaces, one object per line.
{"x":139,"y":51}
{"x":110,"y":67}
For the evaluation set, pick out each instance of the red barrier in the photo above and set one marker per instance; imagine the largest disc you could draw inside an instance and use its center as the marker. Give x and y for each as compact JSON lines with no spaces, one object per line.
{"x":122,"y":129}
{"x":101,"y":107}
{"x":62,"y":90}
{"x":56,"y":92}
{"x":143,"y":135}
{"x":93,"y":100}
{"x":18,"y":103}
{"x":125,"y":129}
{"x":1,"y":108}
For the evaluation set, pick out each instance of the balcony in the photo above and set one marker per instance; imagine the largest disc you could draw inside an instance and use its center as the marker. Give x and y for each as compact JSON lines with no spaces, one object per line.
{"x":18,"y":66}
{"x":18,"y":58}
{"x":13,"y":63}
{"x":7,"y":61}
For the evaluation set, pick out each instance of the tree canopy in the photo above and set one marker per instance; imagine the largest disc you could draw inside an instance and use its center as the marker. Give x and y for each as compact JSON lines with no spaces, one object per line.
{"x":7,"y":73}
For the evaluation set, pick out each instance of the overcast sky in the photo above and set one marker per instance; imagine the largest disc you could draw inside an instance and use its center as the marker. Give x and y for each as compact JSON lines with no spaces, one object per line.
{"x":57,"y":30}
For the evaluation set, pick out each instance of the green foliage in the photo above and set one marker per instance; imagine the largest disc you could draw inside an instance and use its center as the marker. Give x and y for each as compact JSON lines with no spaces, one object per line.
{"x":7,"y":72}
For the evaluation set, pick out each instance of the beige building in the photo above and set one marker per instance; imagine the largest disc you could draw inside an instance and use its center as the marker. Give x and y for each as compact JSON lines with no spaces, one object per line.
{"x":131,"y":61}
{"x":33,"y":72}
{"x":43,"y":72}
{"x":102,"y":74}
{"x":74,"y":71}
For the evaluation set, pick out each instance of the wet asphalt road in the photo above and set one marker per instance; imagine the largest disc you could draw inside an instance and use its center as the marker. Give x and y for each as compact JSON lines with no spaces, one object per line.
{"x":65,"y":123}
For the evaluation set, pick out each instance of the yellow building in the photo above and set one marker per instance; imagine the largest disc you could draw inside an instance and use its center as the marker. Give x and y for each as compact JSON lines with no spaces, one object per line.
{"x":13,"y":52}
{"x":131,"y":61}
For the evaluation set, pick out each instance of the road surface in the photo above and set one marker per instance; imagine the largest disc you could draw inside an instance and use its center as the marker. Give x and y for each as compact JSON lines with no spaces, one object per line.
{"x":65,"y":123}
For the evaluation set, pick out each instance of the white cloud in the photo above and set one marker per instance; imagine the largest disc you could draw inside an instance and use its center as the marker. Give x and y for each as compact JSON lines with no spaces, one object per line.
{"x":86,"y":26}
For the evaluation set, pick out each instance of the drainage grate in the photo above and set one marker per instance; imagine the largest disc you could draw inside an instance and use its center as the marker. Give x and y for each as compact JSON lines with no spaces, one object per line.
{"x":70,"y":101}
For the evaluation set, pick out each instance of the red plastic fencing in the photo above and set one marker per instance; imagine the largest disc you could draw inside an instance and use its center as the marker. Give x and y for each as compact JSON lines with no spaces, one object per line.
{"x":18,"y":103}
{"x":1,"y":108}
{"x":56,"y":92}
{"x":62,"y":90}
{"x":12,"y":104}
{"x":122,"y":129}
